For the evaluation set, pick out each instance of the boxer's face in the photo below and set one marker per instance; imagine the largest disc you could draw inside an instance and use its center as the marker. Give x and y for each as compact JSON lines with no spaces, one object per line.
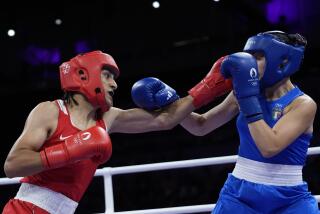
{"x":261,"y":62}
{"x":109,"y":85}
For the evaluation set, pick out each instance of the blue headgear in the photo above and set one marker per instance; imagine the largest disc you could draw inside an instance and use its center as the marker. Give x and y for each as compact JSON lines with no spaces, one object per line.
{"x":275,"y":51}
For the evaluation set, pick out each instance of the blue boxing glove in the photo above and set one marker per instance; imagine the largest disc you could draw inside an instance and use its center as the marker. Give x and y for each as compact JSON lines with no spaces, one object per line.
{"x":151,"y":93}
{"x":243,"y":69}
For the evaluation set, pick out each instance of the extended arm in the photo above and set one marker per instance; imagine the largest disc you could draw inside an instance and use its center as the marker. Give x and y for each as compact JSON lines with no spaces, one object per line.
{"x":151,"y":93}
{"x":202,"y":124}
{"x":139,"y":120}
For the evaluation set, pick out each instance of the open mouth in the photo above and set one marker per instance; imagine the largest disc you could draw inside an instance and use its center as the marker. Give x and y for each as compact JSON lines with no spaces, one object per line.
{"x":111,"y":93}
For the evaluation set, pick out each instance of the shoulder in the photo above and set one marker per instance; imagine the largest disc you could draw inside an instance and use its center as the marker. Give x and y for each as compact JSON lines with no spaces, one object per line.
{"x":45,"y":113}
{"x":111,"y":115}
{"x":47,"y":108}
{"x":304,"y":103}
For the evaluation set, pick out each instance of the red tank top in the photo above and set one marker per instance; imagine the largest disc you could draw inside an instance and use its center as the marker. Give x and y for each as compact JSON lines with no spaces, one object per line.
{"x":71,"y":180}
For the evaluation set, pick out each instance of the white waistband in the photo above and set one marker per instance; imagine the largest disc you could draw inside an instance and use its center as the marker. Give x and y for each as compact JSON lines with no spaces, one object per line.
{"x":52,"y":202}
{"x":267,"y":173}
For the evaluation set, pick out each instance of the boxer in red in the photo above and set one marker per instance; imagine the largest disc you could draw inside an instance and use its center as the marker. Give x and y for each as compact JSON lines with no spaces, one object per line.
{"x":64,"y":141}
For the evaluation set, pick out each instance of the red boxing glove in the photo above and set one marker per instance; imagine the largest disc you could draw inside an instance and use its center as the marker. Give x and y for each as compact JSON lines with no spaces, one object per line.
{"x":92,"y":143}
{"x":212,"y":86}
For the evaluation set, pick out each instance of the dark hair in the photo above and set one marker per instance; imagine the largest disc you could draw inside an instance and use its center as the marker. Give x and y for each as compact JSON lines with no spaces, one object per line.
{"x":290,"y":39}
{"x":68,"y":97}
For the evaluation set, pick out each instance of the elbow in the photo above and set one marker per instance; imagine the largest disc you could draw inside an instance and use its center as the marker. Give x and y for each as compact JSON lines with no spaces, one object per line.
{"x":198,"y":129}
{"x":198,"y":132}
{"x":269,"y":152}
{"x":168,"y":125}
{"x":165,"y":124}
{"x":9,"y":169}
{"x":269,"y":147}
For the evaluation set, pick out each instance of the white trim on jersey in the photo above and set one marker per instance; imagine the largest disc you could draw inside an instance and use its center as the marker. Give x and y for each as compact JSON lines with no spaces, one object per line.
{"x":62,"y":107}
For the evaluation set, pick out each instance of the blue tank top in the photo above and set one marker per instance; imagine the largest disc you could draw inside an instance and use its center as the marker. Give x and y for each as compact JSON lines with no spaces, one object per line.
{"x":294,"y":154}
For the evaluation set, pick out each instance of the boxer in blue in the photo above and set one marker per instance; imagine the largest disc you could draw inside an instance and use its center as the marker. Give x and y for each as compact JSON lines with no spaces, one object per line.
{"x":275,"y":125}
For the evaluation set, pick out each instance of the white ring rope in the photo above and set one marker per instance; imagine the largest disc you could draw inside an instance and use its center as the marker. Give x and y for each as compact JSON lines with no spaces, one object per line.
{"x":107,"y":173}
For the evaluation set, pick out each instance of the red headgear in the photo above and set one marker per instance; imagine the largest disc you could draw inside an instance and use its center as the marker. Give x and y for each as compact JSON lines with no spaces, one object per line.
{"x":83,"y":74}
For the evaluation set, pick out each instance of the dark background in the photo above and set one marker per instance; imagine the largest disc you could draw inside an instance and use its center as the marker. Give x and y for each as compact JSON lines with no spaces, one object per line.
{"x":178,"y":43}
